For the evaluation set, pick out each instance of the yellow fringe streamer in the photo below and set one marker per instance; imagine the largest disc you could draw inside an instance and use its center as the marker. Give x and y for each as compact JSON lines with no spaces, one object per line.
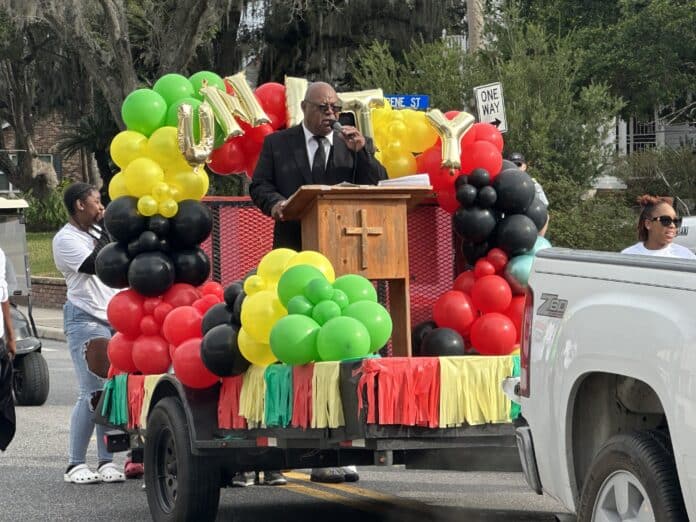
{"x":148,"y":387}
{"x":470,"y":391}
{"x":327,"y":408}
{"x":252,"y":396}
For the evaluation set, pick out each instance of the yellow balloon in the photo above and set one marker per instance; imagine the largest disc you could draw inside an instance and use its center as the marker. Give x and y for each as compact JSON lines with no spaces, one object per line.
{"x":163,"y":148}
{"x":175,"y":191}
{"x":397,"y":129}
{"x":400,"y":165}
{"x":256,"y":353}
{"x":117,"y":186}
{"x":254,"y":284}
{"x":147,"y":206}
{"x":127,"y":146}
{"x":191,"y":184}
{"x":273,"y":264}
{"x":259,"y":313}
{"x":315,"y":259}
{"x":161,"y":191}
{"x":168,"y":208}
{"x":421,"y":135}
{"x":141,"y":176}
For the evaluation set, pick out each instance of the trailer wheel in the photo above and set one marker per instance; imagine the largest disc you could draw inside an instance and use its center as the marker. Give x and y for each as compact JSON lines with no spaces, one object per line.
{"x":30,"y":383}
{"x":633,"y":477}
{"x":180,"y":486}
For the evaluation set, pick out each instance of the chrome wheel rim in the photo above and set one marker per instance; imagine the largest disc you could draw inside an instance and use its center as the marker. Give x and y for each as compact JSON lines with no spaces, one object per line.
{"x":622,"y":498}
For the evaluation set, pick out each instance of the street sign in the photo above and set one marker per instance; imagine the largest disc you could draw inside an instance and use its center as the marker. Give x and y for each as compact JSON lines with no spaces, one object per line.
{"x":408,"y":101}
{"x":490,"y":105}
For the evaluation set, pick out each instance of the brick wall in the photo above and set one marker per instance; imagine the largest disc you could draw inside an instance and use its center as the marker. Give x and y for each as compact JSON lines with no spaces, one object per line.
{"x":48,"y":292}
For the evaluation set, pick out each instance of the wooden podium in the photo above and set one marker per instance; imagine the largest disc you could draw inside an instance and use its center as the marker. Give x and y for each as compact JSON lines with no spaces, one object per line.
{"x":363,"y":230}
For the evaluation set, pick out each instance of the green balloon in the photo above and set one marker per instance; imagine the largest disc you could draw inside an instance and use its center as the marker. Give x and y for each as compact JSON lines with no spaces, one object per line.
{"x":294,"y":280}
{"x":213,"y":81}
{"x":173,"y":87}
{"x":293,"y":339}
{"x":325,"y":311}
{"x":375,"y":318}
{"x":318,"y":290}
{"x":300,"y":305}
{"x":340,"y":298}
{"x":144,"y":111}
{"x":343,"y":338}
{"x":173,"y":114}
{"x":356,"y":287}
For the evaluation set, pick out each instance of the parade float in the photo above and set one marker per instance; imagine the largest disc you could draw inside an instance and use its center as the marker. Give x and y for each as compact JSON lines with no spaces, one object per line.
{"x":229,"y":356}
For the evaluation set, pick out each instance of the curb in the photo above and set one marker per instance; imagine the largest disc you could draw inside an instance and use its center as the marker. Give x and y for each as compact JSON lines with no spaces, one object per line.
{"x":51,"y":333}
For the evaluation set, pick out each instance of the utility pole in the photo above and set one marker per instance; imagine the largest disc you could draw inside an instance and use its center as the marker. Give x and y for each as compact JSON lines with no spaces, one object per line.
{"x":474,"y":17}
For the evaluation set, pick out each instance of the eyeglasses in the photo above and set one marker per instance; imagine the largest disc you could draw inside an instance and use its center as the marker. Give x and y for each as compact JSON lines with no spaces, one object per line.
{"x":323,"y":107}
{"x":666,"y":221}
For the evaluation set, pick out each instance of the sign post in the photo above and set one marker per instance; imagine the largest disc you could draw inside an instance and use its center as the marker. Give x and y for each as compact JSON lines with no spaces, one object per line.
{"x":490,"y":105}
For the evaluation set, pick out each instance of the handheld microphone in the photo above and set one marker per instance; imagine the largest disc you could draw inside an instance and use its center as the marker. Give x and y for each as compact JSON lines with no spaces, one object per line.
{"x":337,"y":126}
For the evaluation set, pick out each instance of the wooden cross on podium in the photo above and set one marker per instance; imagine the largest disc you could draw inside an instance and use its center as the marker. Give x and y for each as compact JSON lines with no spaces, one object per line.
{"x":364,"y":231}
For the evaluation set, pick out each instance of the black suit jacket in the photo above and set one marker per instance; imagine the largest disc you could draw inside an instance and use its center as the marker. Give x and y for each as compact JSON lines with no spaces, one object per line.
{"x":283,"y":167}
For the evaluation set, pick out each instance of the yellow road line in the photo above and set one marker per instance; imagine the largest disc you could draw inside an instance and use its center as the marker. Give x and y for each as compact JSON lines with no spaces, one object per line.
{"x":412,"y":505}
{"x":354,"y":502}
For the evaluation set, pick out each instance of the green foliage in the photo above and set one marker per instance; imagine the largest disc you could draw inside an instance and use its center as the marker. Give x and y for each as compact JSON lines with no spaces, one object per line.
{"x":41,"y":255}
{"x":232,"y":185}
{"x":48,"y":214}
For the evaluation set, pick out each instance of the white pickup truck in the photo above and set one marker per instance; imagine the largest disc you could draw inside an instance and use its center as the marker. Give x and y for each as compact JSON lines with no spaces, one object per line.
{"x":608,"y":385}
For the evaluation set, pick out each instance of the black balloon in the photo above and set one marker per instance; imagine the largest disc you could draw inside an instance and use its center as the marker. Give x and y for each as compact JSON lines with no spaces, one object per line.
{"x":148,"y":241}
{"x":220,"y":352}
{"x":515,"y":190}
{"x":516,"y":234}
{"x":466,"y":195}
{"x":122,"y":220}
{"x":159,"y":225}
{"x":462,"y":179}
{"x":231,"y":292}
{"x":134,"y":248}
{"x":538,"y":213}
{"x":507,"y":165}
{"x":479,"y":178}
{"x":111,"y":265}
{"x":474,"y":224}
{"x":191,"y":225}
{"x":472,"y":252}
{"x":191,"y":266}
{"x":487,"y":197}
{"x":442,"y":342}
{"x":164,"y":246}
{"x":151,"y":273}
{"x":237,"y":307}
{"x":418,"y":333}
{"x":216,"y":314}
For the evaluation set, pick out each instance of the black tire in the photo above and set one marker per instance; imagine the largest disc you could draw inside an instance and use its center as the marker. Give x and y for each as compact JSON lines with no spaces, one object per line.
{"x":31,"y":381}
{"x":180,"y":486}
{"x":644,"y":458}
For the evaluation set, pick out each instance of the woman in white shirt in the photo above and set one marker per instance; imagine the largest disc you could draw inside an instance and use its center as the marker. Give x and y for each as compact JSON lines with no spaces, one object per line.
{"x":75,"y":248}
{"x":658,"y":225}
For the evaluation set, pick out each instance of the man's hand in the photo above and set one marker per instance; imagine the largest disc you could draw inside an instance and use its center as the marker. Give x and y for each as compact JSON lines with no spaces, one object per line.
{"x":355,"y":141}
{"x":11,"y":347}
{"x":277,"y":210}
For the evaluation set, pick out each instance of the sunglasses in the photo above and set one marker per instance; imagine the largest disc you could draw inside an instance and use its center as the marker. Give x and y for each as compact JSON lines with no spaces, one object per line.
{"x":323,"y":107}
{"x":666,"y":221}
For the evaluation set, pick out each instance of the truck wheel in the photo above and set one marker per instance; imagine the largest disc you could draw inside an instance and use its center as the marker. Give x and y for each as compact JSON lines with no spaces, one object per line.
{"x":31,"y":382}
{"x":180,"y":486}
{"x":633,"y":477}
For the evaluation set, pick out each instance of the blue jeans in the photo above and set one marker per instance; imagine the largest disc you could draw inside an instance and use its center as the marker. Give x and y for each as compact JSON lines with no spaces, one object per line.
{"x":80,"y":328}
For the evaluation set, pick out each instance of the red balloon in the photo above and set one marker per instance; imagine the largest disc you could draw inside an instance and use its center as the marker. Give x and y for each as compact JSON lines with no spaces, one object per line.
{"x":455,"y":310}
{"x":172,"y":349}
{"x":213,"y":288}
{"x":278,"y":121}
{"x":120,"y":352}
{"x":259,"y":133}
{"x":516,"y":312}
{"x":489,"y":133}
{"x":251,"y":163}
{"x":189,"y":367}
{"x":149,"y":326}
{"x":150,"y":303}
{"x":124,"y":311}
{"x":205,"y":302}
{"x":448,"y":201}
{"x":430,"y":162}
{"x":271,"y":96}
{"x":450,"y":115}
{"x":464,"y":282}
{"x":482,"y":154}
{"x":483,"y":267}
{"x":151,"y":354}
{"x":181,"y":324}
{"x":493,"y":334}
{"x":161,"y":311}
{"x":498,"y":258}
{"x":491,"y":293}
{"x":228,"y":158}
{"x":181,"y":294}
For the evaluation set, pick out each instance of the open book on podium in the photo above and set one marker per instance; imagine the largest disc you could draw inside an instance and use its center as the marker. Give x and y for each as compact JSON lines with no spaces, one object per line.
{"x":362,"y":229}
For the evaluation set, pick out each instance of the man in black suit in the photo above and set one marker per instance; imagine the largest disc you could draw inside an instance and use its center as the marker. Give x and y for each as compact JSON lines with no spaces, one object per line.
{"x":311,"y":153}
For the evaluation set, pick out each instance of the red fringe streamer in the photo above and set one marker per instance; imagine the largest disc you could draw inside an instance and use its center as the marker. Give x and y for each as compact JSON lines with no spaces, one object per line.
{"x":228,"y":404}
{"x":302,"y":395}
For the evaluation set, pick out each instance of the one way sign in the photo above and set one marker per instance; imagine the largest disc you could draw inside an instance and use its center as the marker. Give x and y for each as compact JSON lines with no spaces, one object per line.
{"x":490,"y":105}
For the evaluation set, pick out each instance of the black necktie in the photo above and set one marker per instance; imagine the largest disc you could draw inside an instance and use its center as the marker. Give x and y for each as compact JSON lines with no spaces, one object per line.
{"x":319,"y":163}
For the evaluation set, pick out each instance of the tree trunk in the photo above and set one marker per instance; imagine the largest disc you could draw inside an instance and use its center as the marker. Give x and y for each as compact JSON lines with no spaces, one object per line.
{"x":474,"y":16}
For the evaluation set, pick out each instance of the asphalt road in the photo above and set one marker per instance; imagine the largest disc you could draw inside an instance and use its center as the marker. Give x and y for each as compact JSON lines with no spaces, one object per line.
{"x":32,"y":487}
